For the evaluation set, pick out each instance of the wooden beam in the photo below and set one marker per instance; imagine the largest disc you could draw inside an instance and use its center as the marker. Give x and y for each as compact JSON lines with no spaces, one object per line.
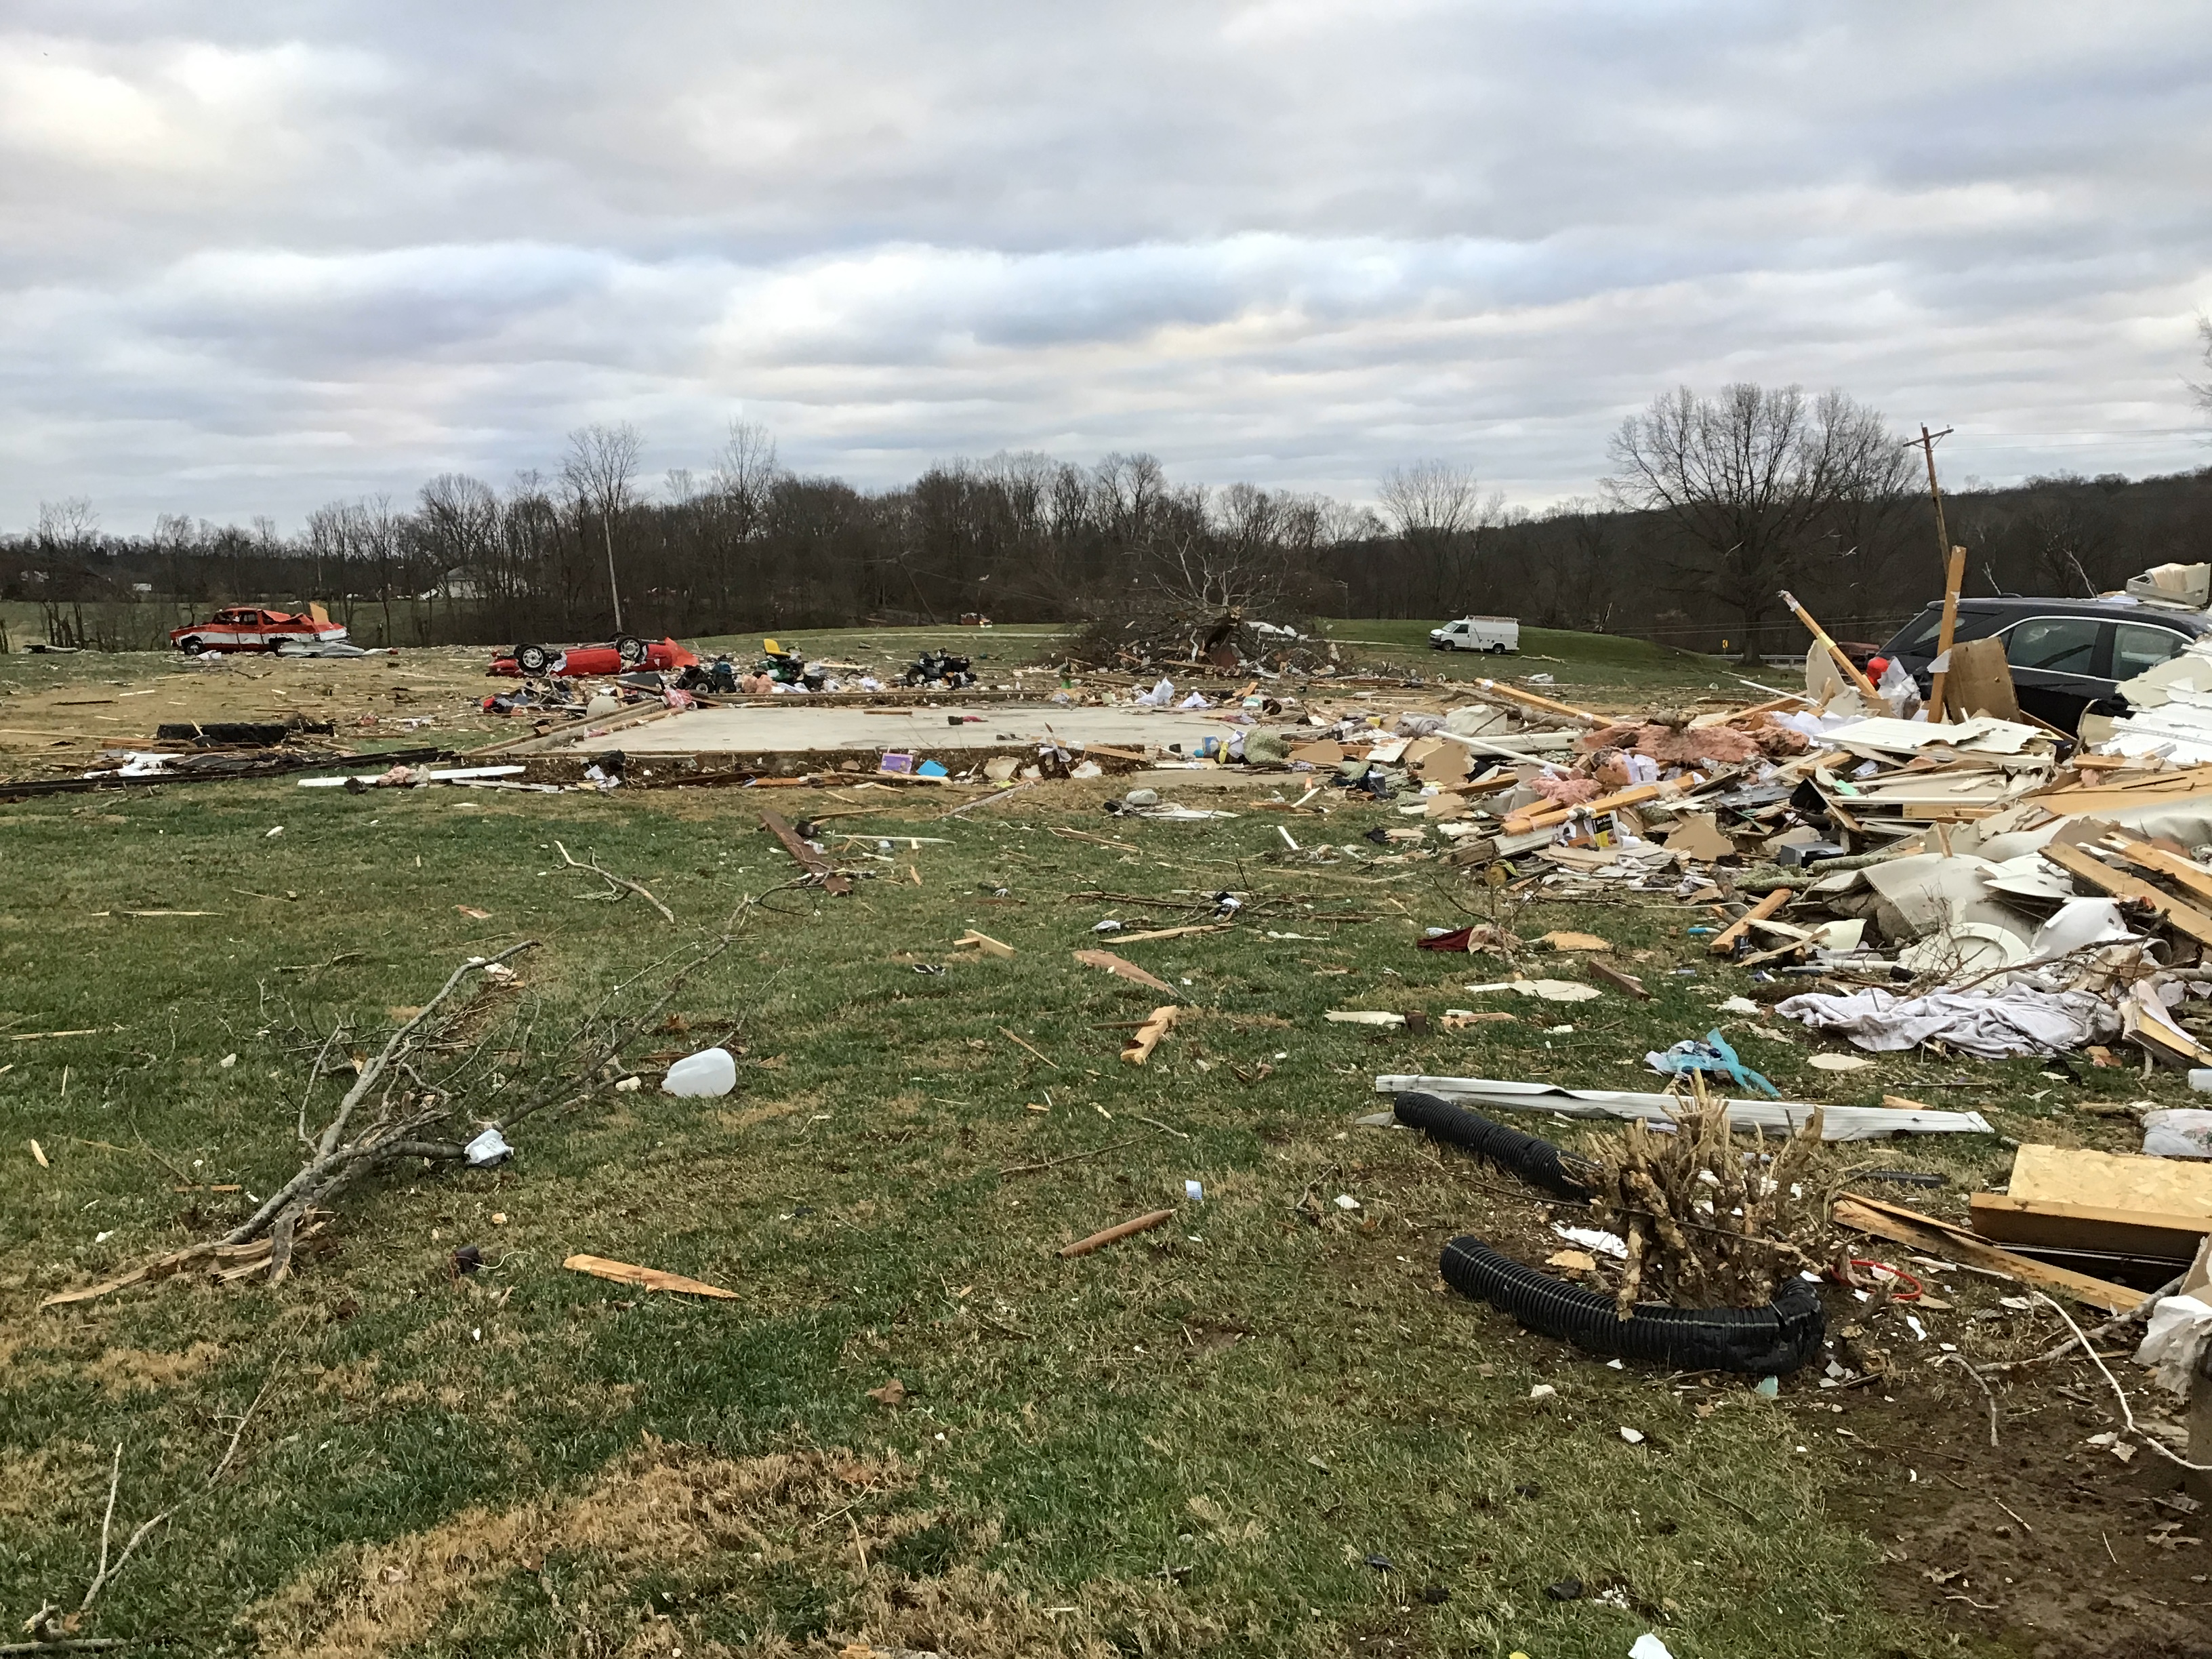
{"x":2184,"y":917}
{"x":2061,"y":1226}
{"x":1529,"y":699}
{"x":1835,"y":651}
{"x":1953,"y":579}
{"x":1925,"y":1233}
{"x":1536,"y":818}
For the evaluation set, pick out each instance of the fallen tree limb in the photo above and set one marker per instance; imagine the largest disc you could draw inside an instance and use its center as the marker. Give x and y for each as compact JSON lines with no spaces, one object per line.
{"x":637,"y":888}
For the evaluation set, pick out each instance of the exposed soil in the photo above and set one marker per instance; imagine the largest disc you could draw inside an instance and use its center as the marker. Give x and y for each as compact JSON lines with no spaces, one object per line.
{"x":2045,"y":1542}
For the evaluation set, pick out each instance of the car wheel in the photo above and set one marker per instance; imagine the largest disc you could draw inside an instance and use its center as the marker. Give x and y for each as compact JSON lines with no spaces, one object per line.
{"x":1497,"y":650}
{"x":629,"y":650}
{"x":193,"y":647}
{"x":532,"y":659}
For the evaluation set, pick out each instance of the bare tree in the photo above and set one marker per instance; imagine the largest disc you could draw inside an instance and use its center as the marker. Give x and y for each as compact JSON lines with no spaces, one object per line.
{"x":1439,"y":513}
{"x":601,"y":471}
{"x":68,"y":527}
{"x":1752,"y":477}
{"x":2203,"y":389}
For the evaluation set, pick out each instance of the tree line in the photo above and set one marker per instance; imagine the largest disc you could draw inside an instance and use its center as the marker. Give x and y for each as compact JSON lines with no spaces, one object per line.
{"x":1712,"y":504}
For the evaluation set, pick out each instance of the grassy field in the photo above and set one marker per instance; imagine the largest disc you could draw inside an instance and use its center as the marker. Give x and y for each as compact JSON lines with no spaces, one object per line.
{"x":1606,"y":662}
{"x":1264,"y":1428}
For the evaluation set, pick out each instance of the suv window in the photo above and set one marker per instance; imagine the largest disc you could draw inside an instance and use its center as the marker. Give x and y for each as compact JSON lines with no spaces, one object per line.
{"x":2137,"y":647}
{"x":2055,"y":645}
{"x":1918,"y":636}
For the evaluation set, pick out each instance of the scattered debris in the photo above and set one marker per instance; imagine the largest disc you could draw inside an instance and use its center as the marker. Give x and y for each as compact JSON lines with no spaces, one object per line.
{"x":644,"y":1279}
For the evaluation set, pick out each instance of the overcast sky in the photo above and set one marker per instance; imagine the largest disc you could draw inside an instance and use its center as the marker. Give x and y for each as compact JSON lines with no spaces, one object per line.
{"x":254,"y":257}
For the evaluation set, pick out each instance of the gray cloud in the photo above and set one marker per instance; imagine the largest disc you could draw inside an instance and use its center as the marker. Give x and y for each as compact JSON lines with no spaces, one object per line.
{"x":258,"y":255}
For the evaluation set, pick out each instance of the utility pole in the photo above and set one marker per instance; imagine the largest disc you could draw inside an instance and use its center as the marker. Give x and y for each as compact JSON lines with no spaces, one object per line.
{"x":1954,"y":575}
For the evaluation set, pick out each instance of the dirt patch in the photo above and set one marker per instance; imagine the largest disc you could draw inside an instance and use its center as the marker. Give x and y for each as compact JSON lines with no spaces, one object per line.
{"x":660,"y":1507}
{"x":120,"y":1370}
{"x":679,"y":1549}
{"x":2045,"y":1542}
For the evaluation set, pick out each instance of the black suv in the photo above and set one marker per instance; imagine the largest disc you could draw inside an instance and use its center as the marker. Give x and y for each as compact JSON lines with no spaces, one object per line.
{"x":2066,"y":654}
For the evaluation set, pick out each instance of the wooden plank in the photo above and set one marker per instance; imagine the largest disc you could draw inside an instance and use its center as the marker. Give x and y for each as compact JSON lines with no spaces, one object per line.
{"x":1852,"y":674}
{"x":2182,"y":917}
{"x":1954,"y":577}
{"x":814,"y":863}
{"x":1529,"y":699}
{"x":1174,"y":932}
{"x":1925,"y":1233}
{"x":1724,"y":941}
{"x":2087,"y":1227}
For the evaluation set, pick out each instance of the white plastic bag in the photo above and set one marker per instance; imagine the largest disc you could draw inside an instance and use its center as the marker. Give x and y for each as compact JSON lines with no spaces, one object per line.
{"x":1900,"y":690}
{"x":2174,"y":1342}
{"x":710,"y":1071}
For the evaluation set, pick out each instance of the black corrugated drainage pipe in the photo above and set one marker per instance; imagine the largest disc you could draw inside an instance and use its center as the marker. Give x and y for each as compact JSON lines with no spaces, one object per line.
{"x":1768,"y":1341}
{"x":1537,"y":1162}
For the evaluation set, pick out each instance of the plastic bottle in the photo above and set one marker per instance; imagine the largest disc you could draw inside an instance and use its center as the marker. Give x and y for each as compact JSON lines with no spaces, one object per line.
{"x":709,"y":1072}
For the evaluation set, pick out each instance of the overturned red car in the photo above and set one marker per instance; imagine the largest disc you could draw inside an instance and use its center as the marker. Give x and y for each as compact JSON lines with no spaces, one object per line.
{"x":250,"y":627}
{"x":621,"y":655}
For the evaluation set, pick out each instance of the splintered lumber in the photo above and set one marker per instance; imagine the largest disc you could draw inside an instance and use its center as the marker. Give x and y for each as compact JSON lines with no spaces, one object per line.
{"x":1492,"y":1095}
{"x":814,"y":863}
{"x":645,"y":1279}
{"x":2184,"y":917}
{"x":1122,"y":969}
{"x":972,"y":941}
{"x":1724,"y":941}
{"x":1924,"y":1233}
{"x":1529,"y":699}
{"x":1850,"y":669}
{"x":1146,"y":1037}
{"x":1114,"y":1235}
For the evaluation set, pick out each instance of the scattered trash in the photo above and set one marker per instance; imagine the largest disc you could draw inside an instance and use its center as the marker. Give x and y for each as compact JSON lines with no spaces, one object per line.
{"x":489,"y":1148}
{"x":709,"y":1073}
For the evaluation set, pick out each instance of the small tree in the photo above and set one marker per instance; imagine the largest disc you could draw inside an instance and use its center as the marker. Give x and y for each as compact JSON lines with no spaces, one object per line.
{"x":1754,"y":479}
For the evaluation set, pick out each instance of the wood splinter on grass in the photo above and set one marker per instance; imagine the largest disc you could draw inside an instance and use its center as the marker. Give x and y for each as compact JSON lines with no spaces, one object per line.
{"x":1148,"y":1036}
{"x":645,"y":1279}
{"x":1114,"y":1235}
{"x":972,"y":941}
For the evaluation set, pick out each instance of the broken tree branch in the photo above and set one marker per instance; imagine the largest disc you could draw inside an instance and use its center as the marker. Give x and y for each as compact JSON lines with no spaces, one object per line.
{"x":637,"y":888}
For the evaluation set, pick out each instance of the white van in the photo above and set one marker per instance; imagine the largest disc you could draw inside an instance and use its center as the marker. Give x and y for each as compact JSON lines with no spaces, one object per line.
{"x":1497,"y":634}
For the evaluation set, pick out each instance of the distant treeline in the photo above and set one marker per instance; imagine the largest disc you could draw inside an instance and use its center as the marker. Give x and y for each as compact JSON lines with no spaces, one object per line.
{"x":751,"y":546}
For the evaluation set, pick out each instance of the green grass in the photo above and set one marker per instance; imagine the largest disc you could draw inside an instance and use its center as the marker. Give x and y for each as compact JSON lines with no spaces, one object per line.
{"x":1596,"y":661}
{"x":1250,"y":1402}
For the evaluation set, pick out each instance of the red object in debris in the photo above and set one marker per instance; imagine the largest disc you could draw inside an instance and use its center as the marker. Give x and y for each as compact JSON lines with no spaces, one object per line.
{"x":1875,"y":668}
{"x":250,"y":627}
{"x":617,"y":657}
{"x":1456,"y":940}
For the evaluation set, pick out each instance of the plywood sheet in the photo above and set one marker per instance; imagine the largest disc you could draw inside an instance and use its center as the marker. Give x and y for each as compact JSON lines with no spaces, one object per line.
{"x":2114,"y":1181}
